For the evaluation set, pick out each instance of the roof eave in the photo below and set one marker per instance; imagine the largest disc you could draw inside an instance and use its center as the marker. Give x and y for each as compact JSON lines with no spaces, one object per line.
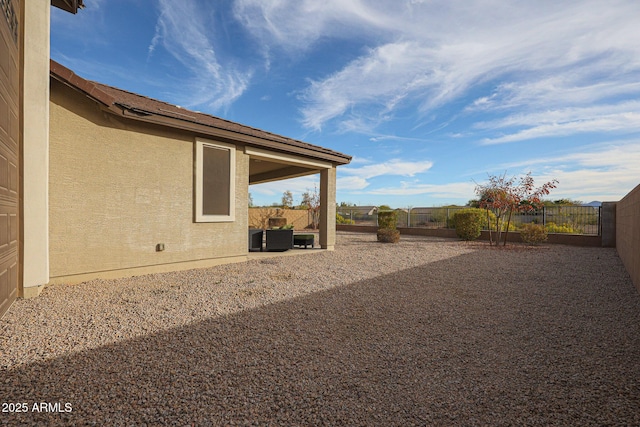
{"x":70,"y":6}
{"x":69,"y":78}
{"x":111,"y":104}
{"x":230,"y":136}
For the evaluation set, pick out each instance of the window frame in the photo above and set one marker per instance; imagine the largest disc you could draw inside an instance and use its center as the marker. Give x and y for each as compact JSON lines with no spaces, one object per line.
{"x":200,"y":146}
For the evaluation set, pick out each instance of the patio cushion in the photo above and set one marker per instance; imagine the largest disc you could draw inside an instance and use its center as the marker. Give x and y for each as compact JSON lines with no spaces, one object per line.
{"x":303,"y":239}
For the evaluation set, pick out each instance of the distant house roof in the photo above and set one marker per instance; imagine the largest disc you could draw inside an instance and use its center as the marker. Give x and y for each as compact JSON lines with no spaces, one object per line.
{"x":365,"y":210}
{"x":142,"y":108}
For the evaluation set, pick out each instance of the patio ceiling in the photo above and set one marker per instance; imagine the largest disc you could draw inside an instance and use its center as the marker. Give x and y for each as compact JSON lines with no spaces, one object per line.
{"x":265,"y":166}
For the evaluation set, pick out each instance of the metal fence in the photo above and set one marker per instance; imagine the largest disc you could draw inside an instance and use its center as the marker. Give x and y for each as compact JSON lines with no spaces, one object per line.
{"x":556,"y":219}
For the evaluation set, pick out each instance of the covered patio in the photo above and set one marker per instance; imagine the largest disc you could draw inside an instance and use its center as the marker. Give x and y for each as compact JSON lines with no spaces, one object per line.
{"x":265,"y":166}
{"x":138,"y":185}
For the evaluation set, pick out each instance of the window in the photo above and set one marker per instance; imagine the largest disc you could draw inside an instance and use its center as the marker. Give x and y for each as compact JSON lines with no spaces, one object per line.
{"x":215,"y":181}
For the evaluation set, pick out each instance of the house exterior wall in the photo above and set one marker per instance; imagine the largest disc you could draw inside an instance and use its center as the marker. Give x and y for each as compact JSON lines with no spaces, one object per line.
{"x":118,"y":188}
{"x":35,"y":155}
{"x":628,"y":233}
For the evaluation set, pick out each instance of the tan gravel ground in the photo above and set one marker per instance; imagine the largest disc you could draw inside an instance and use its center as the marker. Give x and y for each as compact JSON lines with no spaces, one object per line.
{"x":424,"y":332}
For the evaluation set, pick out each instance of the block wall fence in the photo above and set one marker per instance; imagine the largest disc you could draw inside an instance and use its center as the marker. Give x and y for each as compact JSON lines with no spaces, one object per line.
{"x":628,"y":233}
{"x":300,"y":218}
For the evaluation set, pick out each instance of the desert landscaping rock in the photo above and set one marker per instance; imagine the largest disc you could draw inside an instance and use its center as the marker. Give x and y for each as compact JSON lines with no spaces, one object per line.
{"x":423,"y":332}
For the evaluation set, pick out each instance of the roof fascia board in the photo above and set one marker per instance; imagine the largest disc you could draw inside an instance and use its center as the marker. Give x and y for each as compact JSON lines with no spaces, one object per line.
{"x":230,"y":136}
{"x":285,"y":158}
{"x":167,"y":120}
{"x":69,"y":78}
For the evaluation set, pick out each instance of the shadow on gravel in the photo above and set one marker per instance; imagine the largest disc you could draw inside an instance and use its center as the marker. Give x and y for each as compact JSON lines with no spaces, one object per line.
{"x":424,"y":346}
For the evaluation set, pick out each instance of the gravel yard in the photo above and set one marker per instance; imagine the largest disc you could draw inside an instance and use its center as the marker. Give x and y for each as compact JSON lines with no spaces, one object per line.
{"x":424,"y":332}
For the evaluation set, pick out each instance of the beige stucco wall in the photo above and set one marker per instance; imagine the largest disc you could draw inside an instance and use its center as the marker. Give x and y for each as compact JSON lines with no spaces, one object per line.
{"x":628,"y":233}
{"x":35,"y":113}
{"x":328,"y":208}
{"x":118,"y":188}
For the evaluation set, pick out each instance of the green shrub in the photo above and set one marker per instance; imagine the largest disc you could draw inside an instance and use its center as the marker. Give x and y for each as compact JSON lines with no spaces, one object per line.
{"x":342,"y":220}
{"x":552,"y":227}
{"x":503,"y":223}
{"x":387,"y":232}
{"x":533,"y":234}
{"x":512,"y":225}
{"x":387,"y":219}
{"x":388,"y":235}
{"x":469,"y":223}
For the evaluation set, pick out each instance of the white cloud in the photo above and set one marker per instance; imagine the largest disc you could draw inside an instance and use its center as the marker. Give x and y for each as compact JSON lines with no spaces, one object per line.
{"x":357,"y":178}
{"x":185,"y":32}
{"x":611,"y":123}
{"x":297,"y":24}
{"x":393,"y":167}
{"x":359,"y":161}
{"x":434,"y":52}
{"x":297,"y":186}
{"x":604,"y":171}
{"x":454,"y":190}
{"x":351,"y":183}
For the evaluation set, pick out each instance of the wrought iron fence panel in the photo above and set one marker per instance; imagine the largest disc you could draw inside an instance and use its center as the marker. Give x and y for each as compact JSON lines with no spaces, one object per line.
{"x":556,"y":219}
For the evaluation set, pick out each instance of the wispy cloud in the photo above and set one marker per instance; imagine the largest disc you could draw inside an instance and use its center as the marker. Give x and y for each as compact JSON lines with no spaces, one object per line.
{"x":394,"y":167}
{"x":450,"y":191}
{"x":296,"y":25}
{"x":185,"y":32}
{"x":431,"y":53}
{"x":297,"y":186}
{"x":617,"y":123}
{"x":605,"y":171}
{"x":357,"y":178}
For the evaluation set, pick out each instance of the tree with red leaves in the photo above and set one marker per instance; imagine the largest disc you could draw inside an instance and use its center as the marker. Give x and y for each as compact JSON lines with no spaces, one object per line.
{"x":503,"y":197}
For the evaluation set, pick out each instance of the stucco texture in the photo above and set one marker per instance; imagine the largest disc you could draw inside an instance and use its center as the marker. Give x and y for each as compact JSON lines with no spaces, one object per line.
{"x":117,"y":188}
{"x":628,"y":233}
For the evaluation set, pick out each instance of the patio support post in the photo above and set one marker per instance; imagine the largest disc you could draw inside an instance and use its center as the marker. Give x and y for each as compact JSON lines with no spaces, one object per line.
{"x":328,"y":208}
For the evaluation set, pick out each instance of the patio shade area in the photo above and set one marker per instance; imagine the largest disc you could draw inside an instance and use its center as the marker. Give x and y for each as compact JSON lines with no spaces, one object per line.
{"x":424,"y":332}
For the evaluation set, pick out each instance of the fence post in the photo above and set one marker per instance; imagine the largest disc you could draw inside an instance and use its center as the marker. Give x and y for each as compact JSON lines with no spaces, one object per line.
{"x":544,"y":216}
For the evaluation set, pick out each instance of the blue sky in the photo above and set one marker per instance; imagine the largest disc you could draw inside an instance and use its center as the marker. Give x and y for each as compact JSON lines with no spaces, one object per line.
{"x":428,"y":96}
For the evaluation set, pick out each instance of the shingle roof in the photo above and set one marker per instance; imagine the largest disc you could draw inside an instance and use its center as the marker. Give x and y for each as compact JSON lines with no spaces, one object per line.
{"x":139,"y":107}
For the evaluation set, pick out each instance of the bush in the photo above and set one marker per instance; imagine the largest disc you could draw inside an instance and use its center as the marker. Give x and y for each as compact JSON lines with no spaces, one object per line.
{"x":485,"y":226}
{"x":387,"y":232}
{"x":387,"y":219}
{"x":469,"y":223}
{"x":552,"y":227}
{"x":387,"y":235}
{"x":342,"y":220}
{"x":533,"y":234}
